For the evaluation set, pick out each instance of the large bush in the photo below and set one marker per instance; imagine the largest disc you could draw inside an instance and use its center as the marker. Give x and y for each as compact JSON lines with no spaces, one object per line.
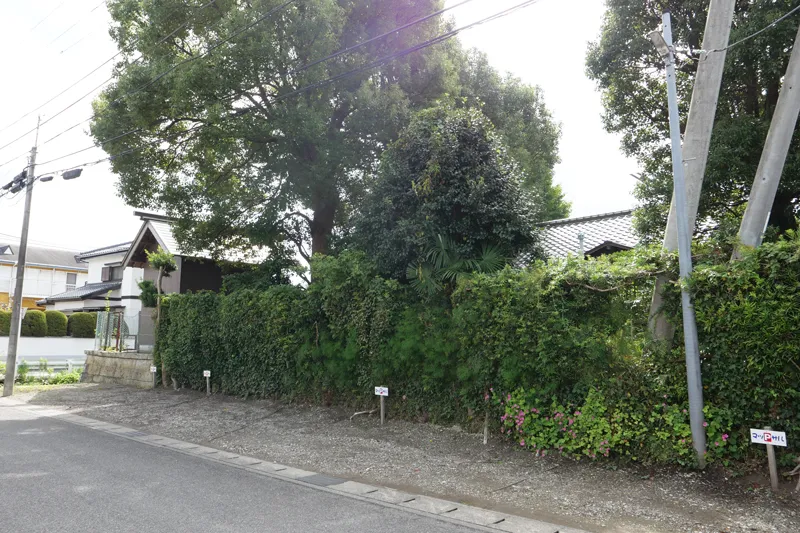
{"x":56,"y":323}
{"x":559,"y":352}
{"x":34,"y":324}
{"x":5,"y":322}
{"x":82,"y":325}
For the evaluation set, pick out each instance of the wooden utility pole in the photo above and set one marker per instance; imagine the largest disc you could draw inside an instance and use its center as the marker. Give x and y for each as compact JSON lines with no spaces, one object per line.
{"x":773,"y":158}
{"x":697,"y":139}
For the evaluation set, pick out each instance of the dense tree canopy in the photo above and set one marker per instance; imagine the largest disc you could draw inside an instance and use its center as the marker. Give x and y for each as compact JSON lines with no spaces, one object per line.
{"x":448,"y":175}
{"x":247,"y":147}
{"x":630,"y":75}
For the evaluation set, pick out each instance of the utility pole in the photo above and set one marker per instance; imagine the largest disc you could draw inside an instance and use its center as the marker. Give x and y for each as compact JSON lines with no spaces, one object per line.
{"x":773,"y":158}
{"x":16,"y":310}
{"x":697,"y":139}
{"x":695,"y":386}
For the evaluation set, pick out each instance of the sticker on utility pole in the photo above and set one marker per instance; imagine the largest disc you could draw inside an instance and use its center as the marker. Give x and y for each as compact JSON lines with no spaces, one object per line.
{"x":381,"y":391}
{"x":767,"y":436}
{"x":206,"y":373}
{"x":153,"y":370}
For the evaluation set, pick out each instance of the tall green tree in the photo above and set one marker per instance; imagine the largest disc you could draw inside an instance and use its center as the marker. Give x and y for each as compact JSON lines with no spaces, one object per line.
{"x":449,"y":176}
{"x":524,"y":123}
{"x":232,"y":151}
{"x":629,"y":73}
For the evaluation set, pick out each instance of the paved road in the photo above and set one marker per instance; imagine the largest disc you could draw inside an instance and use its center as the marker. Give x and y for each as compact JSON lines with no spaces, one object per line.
{"x":56,"y":476}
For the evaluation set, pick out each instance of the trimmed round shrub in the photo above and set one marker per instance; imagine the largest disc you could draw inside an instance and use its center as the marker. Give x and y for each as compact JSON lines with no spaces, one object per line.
{"x":82,"y":325}
{"x":34,"y":324}
{"x":56,"y":323}
{"x":5,"y":323}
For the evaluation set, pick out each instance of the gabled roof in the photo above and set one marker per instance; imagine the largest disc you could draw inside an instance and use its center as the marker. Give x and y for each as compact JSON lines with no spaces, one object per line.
{"x":83,"y":293}
{"x":612,"y":230}
{"x":157,"y":226}
{"x":40,"y":256}
{"x":107,"y":250}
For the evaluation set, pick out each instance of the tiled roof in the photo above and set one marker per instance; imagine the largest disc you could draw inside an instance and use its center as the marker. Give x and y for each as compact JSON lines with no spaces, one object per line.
{"x":107,"y":250}
{"x":84,"y":292}
{"x":560,"y":237}
{"x":41,"y":256}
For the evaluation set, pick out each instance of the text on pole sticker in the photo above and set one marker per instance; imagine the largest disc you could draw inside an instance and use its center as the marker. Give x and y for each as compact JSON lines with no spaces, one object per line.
{"x":381,"y":391}
{"x":764,"y":436}
{"x":206,"y":373}
{"x":153,"y":370}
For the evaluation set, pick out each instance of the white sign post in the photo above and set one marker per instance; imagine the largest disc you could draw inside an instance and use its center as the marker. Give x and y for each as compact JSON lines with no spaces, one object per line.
{"x":153,"y":371}
{"x":383,"y":392}
{"x":771,"y":439}
{"x":207,"y":375}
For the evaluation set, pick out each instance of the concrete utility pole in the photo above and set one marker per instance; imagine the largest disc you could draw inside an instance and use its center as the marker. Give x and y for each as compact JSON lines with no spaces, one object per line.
{"x":697,"y":138}
{"x":695,"y":386}
{"x":770,"y":168}
{"x":16,"y":310}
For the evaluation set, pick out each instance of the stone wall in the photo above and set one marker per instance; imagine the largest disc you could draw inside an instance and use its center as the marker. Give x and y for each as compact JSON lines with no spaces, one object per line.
{"x":122,"y":368}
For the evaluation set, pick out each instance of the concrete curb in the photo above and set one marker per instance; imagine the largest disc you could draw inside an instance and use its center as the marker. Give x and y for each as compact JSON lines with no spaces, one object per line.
{"x":452,"y":512}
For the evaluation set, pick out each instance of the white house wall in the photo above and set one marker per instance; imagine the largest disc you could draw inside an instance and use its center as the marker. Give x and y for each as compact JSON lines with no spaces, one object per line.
{"x":39,"y":282}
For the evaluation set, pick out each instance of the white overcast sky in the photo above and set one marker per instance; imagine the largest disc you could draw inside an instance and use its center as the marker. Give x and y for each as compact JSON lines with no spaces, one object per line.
{"x":544,"y":44}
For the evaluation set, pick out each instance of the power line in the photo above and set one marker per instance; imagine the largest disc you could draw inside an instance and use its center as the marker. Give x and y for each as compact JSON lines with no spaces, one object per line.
{"x":48,"y":15}
{"x":101,"y":65}
{"x":327,"y":81}
{"x":759,"y":32}
{"x":158,"y":77}
{"x":368,"y":41}
{"x":295,"y":71}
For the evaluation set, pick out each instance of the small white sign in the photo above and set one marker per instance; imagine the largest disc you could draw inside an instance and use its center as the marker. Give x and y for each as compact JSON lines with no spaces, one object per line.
{"x":206,"y":373}
{"x":381,"y":391}
{"x":767,"y":436}
{"x":153,"y":370}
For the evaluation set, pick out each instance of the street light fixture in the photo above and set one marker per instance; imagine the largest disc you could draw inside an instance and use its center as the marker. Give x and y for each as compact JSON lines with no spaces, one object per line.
{"x":661,"y":45}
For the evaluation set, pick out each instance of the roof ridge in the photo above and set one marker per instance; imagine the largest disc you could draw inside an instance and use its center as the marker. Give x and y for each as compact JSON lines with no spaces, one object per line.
{"x":600,"y":216}
{"x":105,"y":248}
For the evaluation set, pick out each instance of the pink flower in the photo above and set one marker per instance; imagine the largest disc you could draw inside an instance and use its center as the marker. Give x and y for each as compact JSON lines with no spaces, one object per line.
{"x":665,"y":396}
{"x":571,"y":421}
{"x":683,"y":441}
{"x":684,"y":411}
{"x":522,"y":443}
{"x":486,"y":396}
{"x":705,"y":424}
{"x":724,"y":436}
{"x":508,"y":397}
{"x":716,"y":444}
{"x":491,"y":389}
{"x":577,"y":413}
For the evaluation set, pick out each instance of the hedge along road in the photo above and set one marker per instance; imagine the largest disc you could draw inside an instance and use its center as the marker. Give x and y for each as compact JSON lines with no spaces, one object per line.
{"x":92,"y":481}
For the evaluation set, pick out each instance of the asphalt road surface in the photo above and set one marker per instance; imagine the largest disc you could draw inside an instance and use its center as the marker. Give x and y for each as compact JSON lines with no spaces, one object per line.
{"x":56,"y":476}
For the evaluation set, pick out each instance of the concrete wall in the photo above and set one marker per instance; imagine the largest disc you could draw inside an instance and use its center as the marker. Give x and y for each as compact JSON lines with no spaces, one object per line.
{"x":33,"y":348}
{"x":126,"y":368}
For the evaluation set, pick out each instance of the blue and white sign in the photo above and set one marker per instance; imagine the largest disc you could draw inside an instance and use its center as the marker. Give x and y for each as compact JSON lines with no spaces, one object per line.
{"x":767,"y":436}
{"x":381,"y":391}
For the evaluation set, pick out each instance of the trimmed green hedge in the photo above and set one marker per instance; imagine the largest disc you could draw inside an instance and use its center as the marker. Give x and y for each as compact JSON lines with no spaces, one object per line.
{"x":82,"y":325}
{"x":34,"y":324}
{"x":56,"y":323}
{"x":5,"y":323}
{"x":558,"y":352}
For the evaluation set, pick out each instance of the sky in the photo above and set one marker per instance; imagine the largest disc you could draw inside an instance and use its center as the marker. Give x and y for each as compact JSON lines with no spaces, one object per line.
{"x":50,"y":44}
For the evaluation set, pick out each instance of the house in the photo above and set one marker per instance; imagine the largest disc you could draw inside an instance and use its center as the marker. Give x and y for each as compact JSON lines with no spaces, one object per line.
{"x":114,"y":274}
{"x":48,"y":271}
{"x":108,"y":284}
{"x":590,"y":236}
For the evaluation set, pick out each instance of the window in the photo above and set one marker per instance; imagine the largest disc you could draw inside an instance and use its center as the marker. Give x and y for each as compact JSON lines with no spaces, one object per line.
{"x":111,"y":273}
{"x":72,"y":280}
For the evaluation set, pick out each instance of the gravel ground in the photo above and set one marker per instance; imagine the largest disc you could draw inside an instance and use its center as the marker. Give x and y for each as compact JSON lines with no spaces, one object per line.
{"x":445,"y":462}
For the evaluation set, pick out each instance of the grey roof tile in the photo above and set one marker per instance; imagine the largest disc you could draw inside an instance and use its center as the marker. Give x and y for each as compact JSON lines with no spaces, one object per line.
{"x":560,"y":237}
{"x":41,"y":256}
{"x":106,"y":250}
{"x":84,"y":292}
